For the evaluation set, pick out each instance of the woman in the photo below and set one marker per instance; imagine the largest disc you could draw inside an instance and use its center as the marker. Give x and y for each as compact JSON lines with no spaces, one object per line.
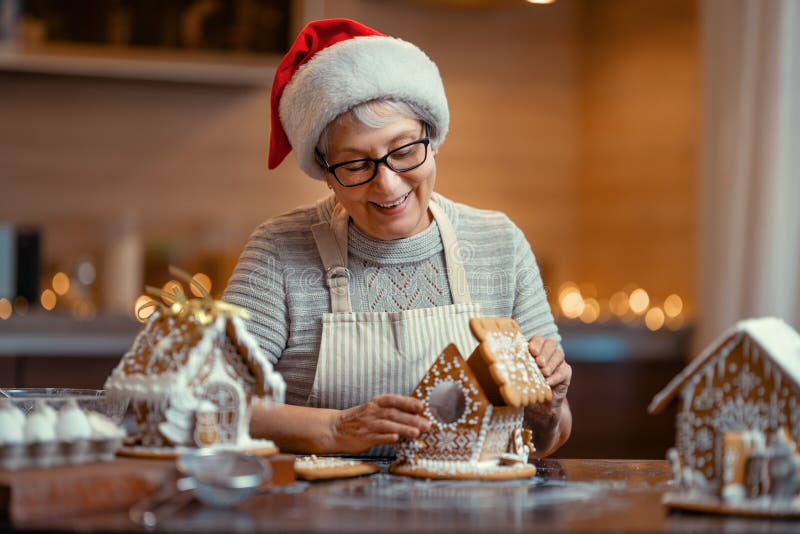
{"x":354,"y":297}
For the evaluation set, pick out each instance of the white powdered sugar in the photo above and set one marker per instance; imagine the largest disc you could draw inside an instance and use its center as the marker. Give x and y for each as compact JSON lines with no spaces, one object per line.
{"x":324,"y":462}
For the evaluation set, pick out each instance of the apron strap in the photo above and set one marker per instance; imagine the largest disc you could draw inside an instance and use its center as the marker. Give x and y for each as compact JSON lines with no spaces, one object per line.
{"x":333,"y":253}
{"x":454,"y":261}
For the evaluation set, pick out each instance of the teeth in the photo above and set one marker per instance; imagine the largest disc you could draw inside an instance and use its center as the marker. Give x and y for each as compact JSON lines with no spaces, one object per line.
{"x":393,"y":204}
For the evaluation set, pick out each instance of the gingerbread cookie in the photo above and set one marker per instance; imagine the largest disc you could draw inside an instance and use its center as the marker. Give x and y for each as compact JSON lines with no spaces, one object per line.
{"x":503,"y":353}
{"x":327,"y":467}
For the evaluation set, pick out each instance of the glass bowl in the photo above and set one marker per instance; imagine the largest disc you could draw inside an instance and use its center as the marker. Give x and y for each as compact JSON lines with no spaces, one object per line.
{"x":112,"y":406}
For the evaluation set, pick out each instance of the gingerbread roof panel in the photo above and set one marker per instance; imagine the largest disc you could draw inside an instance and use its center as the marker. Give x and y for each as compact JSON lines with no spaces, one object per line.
{"x":514,"y":372}
{"x":162,"y":347}
{"x":779,"y":340}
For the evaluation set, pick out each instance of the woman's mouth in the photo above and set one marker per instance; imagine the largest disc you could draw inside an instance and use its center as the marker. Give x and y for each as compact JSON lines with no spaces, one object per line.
{"x":395,"y":204}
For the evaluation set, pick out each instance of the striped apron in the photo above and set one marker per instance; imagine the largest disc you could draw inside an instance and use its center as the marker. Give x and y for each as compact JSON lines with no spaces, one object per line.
{"x":371,"y":353}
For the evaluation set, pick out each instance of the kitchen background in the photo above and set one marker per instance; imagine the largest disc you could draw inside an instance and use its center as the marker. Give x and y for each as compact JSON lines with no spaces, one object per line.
{"x":133,"y":136}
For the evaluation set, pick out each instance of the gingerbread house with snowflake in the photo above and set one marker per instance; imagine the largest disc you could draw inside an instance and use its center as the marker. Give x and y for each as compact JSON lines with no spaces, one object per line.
{"x":738,"y":422}
{"x":191,"y":375}
{"x":476,"y":406}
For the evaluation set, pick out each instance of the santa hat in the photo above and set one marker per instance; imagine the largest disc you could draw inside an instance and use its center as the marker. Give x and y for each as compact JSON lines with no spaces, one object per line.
{"x":333,"y":66}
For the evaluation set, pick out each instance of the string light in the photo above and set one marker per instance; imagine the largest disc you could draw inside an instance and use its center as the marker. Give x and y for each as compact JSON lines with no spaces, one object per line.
{"x":632,"y":304}
{"x":654,"y":319}
{"x":639,"y":301}
{"x":5,"y":309}
{"x":60,"y":284}
{"x":591,"y":310}
{"x":570,"y":300}
{"x":673,"y":306}
{"x":48,"y":299}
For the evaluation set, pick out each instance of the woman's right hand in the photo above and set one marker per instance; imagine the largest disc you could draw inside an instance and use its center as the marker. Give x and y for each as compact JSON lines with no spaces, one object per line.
{"x":381,"y":421}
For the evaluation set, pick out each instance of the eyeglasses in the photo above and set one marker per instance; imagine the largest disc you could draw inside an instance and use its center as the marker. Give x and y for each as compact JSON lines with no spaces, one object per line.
{"x":360,"y":171}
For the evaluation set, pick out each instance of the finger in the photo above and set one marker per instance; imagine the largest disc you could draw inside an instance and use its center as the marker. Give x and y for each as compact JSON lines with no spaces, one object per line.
{"x":405,"y":418}
{"x":400,"y":402}
{"x":535,"y":345}
{"x":561,"y":376}
{"x":385,"y":426}
{"x":552,"y":356}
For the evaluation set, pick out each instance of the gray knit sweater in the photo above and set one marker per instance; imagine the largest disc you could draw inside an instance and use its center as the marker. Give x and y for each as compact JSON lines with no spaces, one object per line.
{"x":279,"y":280}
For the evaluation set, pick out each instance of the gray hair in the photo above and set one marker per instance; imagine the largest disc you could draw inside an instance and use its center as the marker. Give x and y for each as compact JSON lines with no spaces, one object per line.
{"x":377,"y":114}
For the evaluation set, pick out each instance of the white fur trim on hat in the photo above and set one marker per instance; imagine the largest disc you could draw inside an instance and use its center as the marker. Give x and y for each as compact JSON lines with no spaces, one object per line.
{"x":349,"y":73}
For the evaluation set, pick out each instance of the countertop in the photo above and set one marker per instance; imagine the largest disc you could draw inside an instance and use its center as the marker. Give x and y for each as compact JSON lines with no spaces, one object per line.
{"x":566,"y":495}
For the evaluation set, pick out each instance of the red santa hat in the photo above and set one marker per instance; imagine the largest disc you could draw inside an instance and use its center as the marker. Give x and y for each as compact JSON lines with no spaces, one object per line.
{"x":333,"y":66}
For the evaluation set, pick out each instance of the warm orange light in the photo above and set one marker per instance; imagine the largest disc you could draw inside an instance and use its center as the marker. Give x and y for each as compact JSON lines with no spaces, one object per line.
{"x":48,"y":299}
{"x":5,"y":309}
{"x":570,"y":300}
{"x":141,"y":312}
{"x":639,"y":301}
{"x":566,"y":288}
{"x":204,"y":281}
{"x":540,"y":2}
{"x":60,"y":284}
{"x":673,"y":306}
{"x":591,"y":310}
{"x":171,"y":287}
{"x":654,"y":318}
{"x":619,"y":303}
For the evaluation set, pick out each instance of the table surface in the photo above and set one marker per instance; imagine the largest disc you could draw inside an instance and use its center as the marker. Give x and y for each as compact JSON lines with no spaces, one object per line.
{"x":565,"y":495}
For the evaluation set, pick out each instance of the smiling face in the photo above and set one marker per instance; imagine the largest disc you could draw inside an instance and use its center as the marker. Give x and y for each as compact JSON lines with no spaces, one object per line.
{"x":392,"y":205}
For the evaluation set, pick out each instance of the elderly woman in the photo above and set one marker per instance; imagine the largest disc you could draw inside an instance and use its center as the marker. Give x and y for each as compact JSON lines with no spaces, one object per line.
{"x":353,"y":298}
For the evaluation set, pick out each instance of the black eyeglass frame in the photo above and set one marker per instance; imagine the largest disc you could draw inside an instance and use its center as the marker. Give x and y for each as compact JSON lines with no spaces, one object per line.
{"x":377,"y":161}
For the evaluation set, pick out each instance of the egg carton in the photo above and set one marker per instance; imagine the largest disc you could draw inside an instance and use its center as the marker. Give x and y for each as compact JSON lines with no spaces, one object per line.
{"x":53,"y":453}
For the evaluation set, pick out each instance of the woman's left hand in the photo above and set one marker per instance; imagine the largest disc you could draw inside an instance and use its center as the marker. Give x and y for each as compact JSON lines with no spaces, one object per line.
{"x":550,"y":359}
{"x":551,"y":421}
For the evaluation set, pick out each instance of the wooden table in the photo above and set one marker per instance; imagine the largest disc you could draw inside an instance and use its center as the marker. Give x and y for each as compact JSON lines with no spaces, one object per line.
{"x":566,"y":495}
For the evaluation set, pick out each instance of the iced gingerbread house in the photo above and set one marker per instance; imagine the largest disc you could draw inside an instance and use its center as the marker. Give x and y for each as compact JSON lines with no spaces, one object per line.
{"x":191,"y":375}
{"x":476,"y":409}
{"x":738,"y":423}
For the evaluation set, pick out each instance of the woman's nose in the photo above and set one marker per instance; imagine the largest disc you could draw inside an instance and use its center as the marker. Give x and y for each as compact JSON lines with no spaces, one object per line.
{"x":386,"y":178}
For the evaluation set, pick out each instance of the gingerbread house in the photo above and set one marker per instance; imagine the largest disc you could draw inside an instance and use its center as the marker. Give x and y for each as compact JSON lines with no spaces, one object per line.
{"x":476,"y":409}
{"x":738,"y":422}
{"x":191,"y":374}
